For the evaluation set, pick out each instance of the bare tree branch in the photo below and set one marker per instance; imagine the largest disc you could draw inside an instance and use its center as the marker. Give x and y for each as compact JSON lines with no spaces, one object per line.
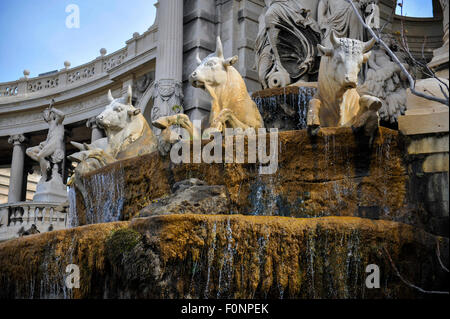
{"x":412,"y":84}
{"x":438,"y":253}
{"x":425,"y":68}
{"x":409,"y":283}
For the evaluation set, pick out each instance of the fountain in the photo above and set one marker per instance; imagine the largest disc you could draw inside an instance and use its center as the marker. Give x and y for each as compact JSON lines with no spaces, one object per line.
{"x":341,"y":200}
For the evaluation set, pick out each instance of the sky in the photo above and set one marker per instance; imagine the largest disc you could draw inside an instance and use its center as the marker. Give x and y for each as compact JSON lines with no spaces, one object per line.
{"x":416,"y":8}
{"x":34,"y":34}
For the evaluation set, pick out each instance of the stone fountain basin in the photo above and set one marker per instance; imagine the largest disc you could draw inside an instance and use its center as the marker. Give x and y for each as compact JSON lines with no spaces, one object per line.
{"x":334,"y":174}
{"x":220,"y":256}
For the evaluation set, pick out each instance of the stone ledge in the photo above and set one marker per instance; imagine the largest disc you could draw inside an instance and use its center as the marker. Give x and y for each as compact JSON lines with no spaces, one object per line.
{"x":424,"y":123}
{"x":428,"y":145}
{"x":436,"y":163}
{"x":226,"y":257}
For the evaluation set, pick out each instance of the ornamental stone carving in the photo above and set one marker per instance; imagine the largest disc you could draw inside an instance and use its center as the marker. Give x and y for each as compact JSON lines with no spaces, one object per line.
{"x":286,"y":46}
{"x":168,"y":97}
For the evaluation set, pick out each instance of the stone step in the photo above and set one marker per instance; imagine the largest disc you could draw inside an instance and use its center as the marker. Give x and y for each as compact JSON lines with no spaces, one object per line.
{"x":423,"y":123}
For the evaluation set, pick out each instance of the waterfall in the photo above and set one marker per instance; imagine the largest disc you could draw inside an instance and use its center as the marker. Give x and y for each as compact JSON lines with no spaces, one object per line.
{"x":72,"y":218}
{"x":285,"y":109}
{"x":105,"y":196}
{"x":226,"y":270}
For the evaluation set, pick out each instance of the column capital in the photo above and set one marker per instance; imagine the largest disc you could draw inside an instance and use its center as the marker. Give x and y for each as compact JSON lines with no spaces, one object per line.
{"x":17,"y":139}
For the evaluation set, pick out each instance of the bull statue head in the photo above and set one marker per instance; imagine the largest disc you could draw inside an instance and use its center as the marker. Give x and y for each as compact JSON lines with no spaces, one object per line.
{"x":212,"y":71}
{"x":347,"y":57}
{"x":119,"y":113}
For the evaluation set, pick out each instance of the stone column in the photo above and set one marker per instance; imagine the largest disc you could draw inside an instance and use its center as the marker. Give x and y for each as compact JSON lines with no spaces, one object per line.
{"x":17,"y":168}
{"x":97,"y":132}
{"x":167,"y":88}
{"x":26,"y":171}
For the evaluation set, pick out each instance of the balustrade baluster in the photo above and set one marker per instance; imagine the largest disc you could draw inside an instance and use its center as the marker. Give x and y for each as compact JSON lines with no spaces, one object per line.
{"x":26,"y":215}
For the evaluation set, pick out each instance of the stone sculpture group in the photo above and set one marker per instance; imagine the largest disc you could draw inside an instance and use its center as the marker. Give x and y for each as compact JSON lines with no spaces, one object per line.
{"x":290,"y":31}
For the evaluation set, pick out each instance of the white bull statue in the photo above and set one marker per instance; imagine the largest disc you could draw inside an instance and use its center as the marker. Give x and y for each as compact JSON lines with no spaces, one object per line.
{"x":127,"y":135}
{"x":231,"y":107}
{"x":337,"y":102}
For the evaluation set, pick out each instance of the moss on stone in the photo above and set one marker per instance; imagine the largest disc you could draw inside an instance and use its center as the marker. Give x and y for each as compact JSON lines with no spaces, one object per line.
{"x":220,"y":256}
{"x":121,"y":241}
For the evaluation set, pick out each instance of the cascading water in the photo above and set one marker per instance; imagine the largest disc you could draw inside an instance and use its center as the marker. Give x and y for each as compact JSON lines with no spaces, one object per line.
{"x":72,"y":219}
{"x":264,"y":201}
{"x":104,"y":198}
{"x":286,"y":108}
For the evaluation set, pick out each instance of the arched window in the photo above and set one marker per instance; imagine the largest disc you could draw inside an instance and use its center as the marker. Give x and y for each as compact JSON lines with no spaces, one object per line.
{"x":415,"y":8}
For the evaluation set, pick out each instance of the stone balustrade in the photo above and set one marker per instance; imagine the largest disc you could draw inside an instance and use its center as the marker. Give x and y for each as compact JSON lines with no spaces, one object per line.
{"x":15,"y":218}
{"x":66,"y":78}
{"x":78,"y":91}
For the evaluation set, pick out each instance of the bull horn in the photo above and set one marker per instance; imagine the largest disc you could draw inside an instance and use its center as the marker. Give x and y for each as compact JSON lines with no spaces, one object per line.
{"x":78,"y":145}
{"x":369,"y":45}
{"x":219,"y":48}
{"x":334,"y":39}
{"x":324,"y":50}
{"x":197,"y":57}
{"x":110,"y":97}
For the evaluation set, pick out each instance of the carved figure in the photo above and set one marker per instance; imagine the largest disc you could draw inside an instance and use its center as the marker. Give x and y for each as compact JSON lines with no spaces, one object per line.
{"x":385,"y":80}
{"x":51,"y":152}
{"x":231,"y":105}
{"x":337,"y":102}
{"x":338,"y":15}
{"x":286,"y":43}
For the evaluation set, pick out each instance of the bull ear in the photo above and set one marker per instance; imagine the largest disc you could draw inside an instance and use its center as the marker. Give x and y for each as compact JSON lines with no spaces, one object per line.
{"x":230,"y":61}
{"x":366,"y":57}
{"x":325,"y":51}
{"x":129,"y":95}
{"x":134,"y":112}
{"x":110,"y":97}
{"x":219,"y":48}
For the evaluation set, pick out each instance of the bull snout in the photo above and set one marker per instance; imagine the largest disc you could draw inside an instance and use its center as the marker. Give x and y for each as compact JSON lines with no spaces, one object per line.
{"x":100,"y":119}
{"x":192,"y":77}
{"x":195,"y":82}
{"x":350,"y":82}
